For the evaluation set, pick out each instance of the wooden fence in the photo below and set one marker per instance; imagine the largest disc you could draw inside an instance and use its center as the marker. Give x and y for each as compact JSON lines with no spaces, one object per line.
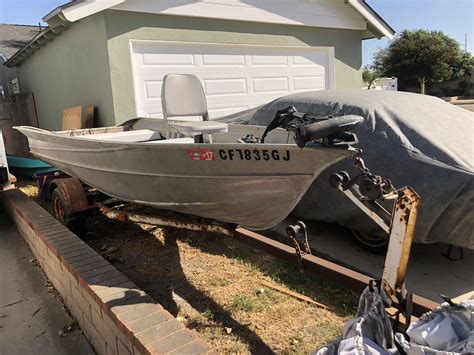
{"x":20,"y":110}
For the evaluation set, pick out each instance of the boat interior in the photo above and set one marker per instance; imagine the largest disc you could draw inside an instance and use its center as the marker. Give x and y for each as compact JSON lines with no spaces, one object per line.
{"x":156,"y":131}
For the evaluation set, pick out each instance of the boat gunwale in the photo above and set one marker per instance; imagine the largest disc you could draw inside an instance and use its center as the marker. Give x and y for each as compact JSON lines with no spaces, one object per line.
{"x":55,"y":136}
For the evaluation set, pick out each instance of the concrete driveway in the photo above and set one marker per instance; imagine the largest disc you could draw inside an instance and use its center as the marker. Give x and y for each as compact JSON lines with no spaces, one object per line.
{"x":30,"y":316}
{"x":429,"y":273}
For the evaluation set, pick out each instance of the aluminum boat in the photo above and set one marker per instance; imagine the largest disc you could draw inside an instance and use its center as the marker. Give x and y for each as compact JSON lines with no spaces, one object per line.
{"x":242,"y":174}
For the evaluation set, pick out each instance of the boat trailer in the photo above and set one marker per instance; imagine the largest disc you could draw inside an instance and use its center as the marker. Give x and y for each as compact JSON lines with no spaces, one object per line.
{"x":72,"y":201}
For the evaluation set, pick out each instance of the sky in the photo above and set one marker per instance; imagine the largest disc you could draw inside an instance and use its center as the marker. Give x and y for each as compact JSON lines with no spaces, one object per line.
{"x":26,"y":12}
{"x":453,"y":17}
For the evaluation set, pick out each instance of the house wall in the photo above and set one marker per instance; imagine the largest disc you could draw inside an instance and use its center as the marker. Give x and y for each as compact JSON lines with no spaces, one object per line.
{"x":71,"y":70}
{"x":90,"y":62}
{"x":122,"y":26}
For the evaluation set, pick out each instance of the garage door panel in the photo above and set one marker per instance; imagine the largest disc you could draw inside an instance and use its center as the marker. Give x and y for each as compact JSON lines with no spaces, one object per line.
{"x":220,"y":112}
{"x":222,"y":73}
{"x":270,"y":84}
{"x":160,"y":59}
{"x":218,"y":60}
{"x":224,"y":86}
{"x":304,"y":83}
{"x":234,"y":78}
{"x":314,"y":58}
{"x":266,"y":60}
{"x":153,"y":89}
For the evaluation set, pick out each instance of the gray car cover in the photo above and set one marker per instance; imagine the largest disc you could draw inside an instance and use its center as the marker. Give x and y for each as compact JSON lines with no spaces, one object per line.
{"x":448,"y":329}
{"x":369,"y":333}
{"x":412,"y":139}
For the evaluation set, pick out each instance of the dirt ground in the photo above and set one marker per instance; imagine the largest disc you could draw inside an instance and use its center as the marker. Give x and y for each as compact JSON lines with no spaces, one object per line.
{"x":213,"y":284}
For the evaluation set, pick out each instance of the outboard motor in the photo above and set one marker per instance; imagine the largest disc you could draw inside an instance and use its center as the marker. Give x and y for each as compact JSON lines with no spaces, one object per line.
{"x":332,"y":130}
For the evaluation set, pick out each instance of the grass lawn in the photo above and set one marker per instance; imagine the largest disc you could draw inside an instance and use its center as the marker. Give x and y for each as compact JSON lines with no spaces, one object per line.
{"x":213,"y":284}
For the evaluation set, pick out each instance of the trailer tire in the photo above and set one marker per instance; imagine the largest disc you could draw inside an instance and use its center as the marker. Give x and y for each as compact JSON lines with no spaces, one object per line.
{"x":369,"y":242}
{"x":76,"y":223}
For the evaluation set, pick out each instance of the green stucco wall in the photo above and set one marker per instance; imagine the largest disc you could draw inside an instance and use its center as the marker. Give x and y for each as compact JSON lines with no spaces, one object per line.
{"x":121,"y":27}
{"x":90,"y":62}
{"x":71,"y":70}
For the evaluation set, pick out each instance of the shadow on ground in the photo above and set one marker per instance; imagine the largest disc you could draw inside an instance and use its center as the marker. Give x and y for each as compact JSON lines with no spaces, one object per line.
{"x":155,"y":265}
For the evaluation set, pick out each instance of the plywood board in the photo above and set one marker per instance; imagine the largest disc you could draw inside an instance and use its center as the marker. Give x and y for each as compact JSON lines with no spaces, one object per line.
{"x":25,"y":115}
{"x":15,"y":142}
{"x":72,"y":118}
{"x":25,"y":104}
{"x":89,"y":119}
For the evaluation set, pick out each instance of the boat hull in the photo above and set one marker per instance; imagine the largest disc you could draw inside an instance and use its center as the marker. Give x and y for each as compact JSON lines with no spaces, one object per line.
{"x":253,"y":185}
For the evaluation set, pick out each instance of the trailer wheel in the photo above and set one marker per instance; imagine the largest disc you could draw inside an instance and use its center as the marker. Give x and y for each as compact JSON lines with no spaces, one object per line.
{"x":76,"y":223}
{"x":370,"y":242}
{"x":335,"y":180}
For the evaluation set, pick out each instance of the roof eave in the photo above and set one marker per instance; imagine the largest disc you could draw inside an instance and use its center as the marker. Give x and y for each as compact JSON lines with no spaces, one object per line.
{"x":34,"y":44}
{"x":57,"y":23}
{"x":61,"y":18}
{"x":371,"y":32}
{"x":376,"y":25}
{"x":76,"y":10}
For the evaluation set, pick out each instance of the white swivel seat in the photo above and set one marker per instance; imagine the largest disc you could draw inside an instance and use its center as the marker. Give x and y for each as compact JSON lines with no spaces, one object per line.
{"x":182,"y":95}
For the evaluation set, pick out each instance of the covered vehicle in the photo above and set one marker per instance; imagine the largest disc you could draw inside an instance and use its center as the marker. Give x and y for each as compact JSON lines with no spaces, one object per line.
{"x":412,"y":139}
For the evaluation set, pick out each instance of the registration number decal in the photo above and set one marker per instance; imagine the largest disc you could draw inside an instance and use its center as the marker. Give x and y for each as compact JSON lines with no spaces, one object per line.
{"x":201,"y":154}
{"x":253,"y":154}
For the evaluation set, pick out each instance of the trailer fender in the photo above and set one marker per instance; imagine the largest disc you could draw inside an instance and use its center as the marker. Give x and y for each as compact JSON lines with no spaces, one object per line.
{"x":73,"y":195}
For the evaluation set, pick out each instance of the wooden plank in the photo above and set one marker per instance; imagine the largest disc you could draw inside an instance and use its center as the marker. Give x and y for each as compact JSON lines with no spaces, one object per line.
{"x":15,"y":142}
{"x":25,"y":104}
{"x":89,"y":119}
{"x":293,"y":294}
{"x":323,"y":268}
{"x":6,"y":116}
{"x":72,"y":118}
{"x":5,"y":110}
{"x":25,"y":116}
{"x":464,"y":297}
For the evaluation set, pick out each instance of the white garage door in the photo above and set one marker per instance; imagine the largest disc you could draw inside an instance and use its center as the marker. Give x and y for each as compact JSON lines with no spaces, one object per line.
{"x":234,"y":78}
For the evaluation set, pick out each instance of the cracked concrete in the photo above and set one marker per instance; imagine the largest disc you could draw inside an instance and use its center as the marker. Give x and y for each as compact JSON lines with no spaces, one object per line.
{"x":30,"y":316}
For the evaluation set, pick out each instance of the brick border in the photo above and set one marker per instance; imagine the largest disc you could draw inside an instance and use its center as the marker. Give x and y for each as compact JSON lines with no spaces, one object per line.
{"x":116,"y":316}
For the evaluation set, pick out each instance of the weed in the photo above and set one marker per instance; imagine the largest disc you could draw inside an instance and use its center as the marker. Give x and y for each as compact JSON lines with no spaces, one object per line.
{"x":242,"y":302}
{"x":209,"y":314}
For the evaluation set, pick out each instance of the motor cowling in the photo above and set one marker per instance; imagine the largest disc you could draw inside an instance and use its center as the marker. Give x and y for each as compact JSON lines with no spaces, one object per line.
{"x":331,"y":127}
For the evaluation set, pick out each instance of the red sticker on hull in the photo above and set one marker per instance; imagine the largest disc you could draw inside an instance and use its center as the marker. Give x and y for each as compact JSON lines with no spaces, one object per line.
{"x":201,"y":154}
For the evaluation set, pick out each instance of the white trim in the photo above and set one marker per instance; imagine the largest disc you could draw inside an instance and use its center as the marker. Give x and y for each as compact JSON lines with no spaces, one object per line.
{"x":51,"y":14}
{"x":368,"y":15}
{"x":315,"y":13}
{"x":152,"y":41}
{"x":81,"y":9}
{"x":135,"y":92}
{"x":331,"y":67}
{"x":87,"y":8}
{"x":328,"y":13}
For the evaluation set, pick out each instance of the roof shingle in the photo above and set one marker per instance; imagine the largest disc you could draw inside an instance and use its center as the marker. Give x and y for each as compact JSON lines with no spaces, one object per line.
{"x":14,"y":37}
